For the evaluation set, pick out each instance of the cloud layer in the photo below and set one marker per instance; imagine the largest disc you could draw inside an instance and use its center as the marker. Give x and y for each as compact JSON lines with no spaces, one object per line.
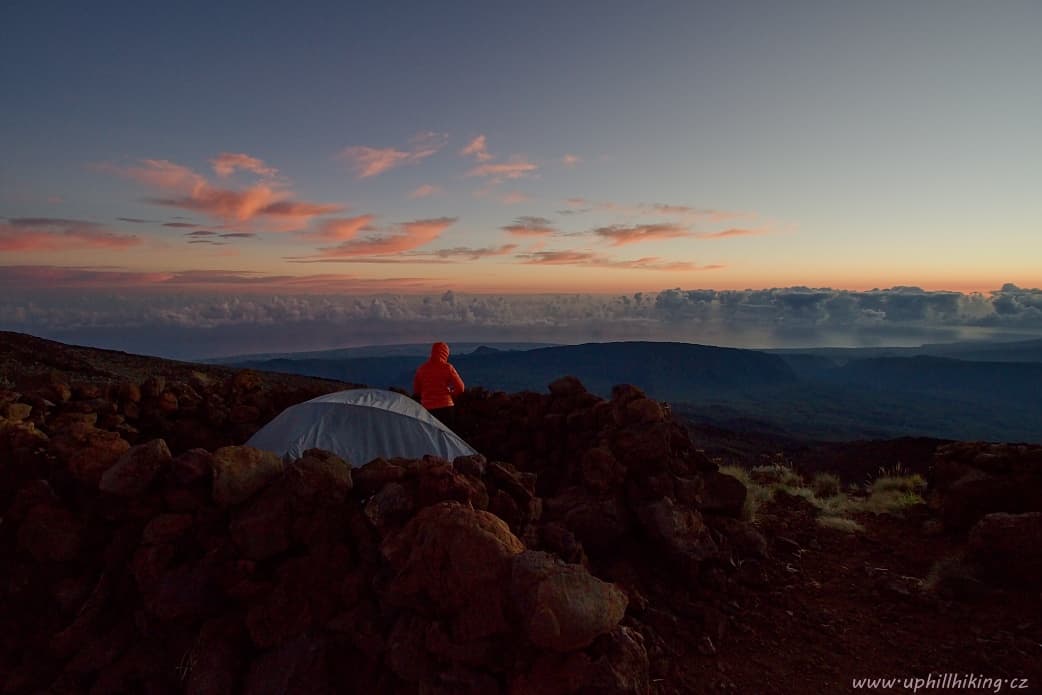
{"x":60,"y":235}
{"x":256,"y":311}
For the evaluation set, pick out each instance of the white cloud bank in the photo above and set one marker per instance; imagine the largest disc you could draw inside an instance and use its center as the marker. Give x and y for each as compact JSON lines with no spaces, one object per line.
{"x":193,"y":325}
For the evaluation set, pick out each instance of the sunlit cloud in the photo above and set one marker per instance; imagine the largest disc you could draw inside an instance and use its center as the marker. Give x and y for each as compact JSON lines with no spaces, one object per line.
{"x":732,"y":232}
{"x":587,"y":258}
{"x":579,"y":205}
{"x":516,"y":168}
{"x":341,"y":228}
{"x":402,"y":237}
{"x":570,"y":160}
{"x":226,"y":163}
{"x":474,"y":254}
{"x":373,"y":161}
{"x":477,"y":149}
{"x":268,"y":203}
{"x":620,"y":235}
{"x":530,"y":226}
{"x":58,"y":235}
{"x":425,"y":191}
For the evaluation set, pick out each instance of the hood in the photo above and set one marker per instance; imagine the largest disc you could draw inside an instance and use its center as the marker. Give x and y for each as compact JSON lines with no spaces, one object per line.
{"x":439,"y":352}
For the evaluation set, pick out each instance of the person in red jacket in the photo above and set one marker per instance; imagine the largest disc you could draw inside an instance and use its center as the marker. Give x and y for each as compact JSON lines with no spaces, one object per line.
{"x":436,"y":381}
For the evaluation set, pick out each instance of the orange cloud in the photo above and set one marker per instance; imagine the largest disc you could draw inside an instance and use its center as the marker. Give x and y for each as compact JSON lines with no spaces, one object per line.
{"x":731,"y":232}
{"x":372,"y":161}
{"x":477,"y":149}
{"x":586,"y":258}
{"x":530,"y":226}
{"x":515,"y":169}
{"x":570,"y":160}
{"x":226,"y":163}
{"x":49,"y":234}
{"x":620,"y":235}
{"x":264,"y":202}
{"x":424,"y":191}
{"x":403,"y":237}
{"x":343,"y":228}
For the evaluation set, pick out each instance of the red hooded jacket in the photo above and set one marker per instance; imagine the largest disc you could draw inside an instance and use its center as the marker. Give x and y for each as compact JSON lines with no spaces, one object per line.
{"x":436,"y":380}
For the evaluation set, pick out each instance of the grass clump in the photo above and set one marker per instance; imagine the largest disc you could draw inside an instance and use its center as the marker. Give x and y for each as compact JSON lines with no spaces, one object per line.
{"x":840,"y":523}
{"x":755,"y":494}
{"x":890,"y":494}
{"x":825,"y":485}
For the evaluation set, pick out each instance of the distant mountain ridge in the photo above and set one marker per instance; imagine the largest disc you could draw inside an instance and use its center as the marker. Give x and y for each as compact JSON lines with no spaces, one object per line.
{"x":669,"y":371}
{"x":830,"y":394}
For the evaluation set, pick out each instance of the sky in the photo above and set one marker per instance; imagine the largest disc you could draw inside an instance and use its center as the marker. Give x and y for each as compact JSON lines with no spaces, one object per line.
{"x":196,"y":168}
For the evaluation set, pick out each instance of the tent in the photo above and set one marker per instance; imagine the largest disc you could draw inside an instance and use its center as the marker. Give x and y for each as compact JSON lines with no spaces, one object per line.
{"x":360,"y":425}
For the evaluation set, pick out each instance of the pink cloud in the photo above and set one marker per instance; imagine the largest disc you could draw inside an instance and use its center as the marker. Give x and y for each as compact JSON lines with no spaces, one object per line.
{"x":620,"y":235}
{"x":57,"y":235}
{"x":403,"y":237}
{"x":475,"y":254}
{"x":570,"y":160}
{"x":530,"y":226}
{"x":424,"y":191}
{"x":477,"y":149}
{"x":515,"y":169}
{"x":734,"y":231}
{"x":268,"y":203}
{"x":51,"y":276}
{"x":226,"y":163}
{"x":373,"y":161}
{"x":514,"y":197}
{"x":79,"y":278}
{"x":342,"y":228}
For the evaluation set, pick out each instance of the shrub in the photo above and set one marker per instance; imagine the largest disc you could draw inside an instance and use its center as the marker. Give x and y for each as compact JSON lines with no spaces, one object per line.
{"x":825,"y":485}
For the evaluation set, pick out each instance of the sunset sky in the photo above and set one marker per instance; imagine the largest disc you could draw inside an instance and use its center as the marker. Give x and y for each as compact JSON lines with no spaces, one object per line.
{"x":490,"y":150}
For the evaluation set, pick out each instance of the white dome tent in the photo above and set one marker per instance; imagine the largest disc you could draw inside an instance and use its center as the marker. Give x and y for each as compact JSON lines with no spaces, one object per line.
{"x":360,"y":425}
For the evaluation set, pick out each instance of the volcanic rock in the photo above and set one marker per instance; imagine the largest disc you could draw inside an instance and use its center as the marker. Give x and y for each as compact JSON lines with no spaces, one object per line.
{"x":240,"y":471}
{"x":136,"y":469}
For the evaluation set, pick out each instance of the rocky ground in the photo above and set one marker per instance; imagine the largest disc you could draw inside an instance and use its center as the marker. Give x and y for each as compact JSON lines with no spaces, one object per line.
{"x":594,"y":548}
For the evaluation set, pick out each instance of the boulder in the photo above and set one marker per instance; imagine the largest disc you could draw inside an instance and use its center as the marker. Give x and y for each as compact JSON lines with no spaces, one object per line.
{"x":166,"y":528}
{"x":260,"y":527}
{"x":722,"y":494}
{"x":16,"y":412}
{"x":241,"y":471}
{"x":136,"y":469}
{"x":100,"y":452}
{"x":1008,"y":548}
{"x":192,"y":466}
{"x":567,"y":386}
{"x":51,"y":534}
{"x":447,"y":555}
{"x":319,"y":473}
{"x":562,"y":607}
{"x":679,"y":531}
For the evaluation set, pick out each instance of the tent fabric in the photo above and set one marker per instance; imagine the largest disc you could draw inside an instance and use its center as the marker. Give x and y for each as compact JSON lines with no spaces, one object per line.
{"x":360,"y":425}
